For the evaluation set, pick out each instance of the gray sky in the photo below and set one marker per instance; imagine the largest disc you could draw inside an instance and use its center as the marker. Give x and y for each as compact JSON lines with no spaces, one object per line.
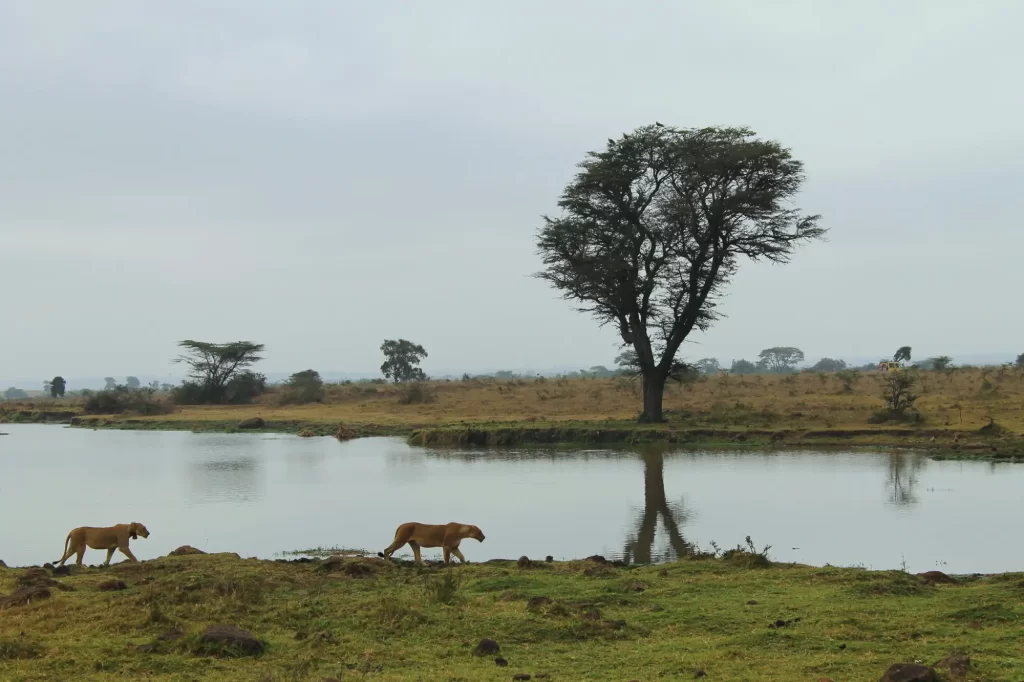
{"x":319,"y":176}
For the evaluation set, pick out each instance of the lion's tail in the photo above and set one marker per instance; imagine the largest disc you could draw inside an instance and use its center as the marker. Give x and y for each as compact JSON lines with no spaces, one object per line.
{"x":380,"y":554}
{"x":67,"y":541}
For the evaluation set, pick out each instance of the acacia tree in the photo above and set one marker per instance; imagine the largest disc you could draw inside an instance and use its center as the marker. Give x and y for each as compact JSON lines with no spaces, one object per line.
{"x":57,"y":387}
{"x":401,"y":360}
{"x":902,"y":354}
{"x":654,"y":227}
{"x":780,"y":358}
{"x":214,"y":365}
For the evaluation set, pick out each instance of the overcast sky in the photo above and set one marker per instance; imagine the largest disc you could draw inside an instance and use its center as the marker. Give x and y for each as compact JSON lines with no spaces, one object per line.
{"x":319,"y":176}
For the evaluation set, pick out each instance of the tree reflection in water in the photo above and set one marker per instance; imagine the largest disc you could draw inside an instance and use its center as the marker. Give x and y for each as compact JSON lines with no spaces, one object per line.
{"x":902,"y":476}
{"x":640,"y":546}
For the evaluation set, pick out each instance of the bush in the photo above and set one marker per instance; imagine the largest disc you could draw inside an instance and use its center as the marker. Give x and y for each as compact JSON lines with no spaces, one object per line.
{"x":897,"y":391}
{"x":303,"y":387}
{"x":121,"y":399}
{"x":241,"y":390}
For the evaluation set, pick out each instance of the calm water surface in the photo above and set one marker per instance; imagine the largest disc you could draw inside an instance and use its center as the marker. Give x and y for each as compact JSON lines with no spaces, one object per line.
{"x":259,"y":495}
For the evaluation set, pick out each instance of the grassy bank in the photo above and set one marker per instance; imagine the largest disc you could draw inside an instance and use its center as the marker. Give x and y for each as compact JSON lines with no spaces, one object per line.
{"x":967,"y":412}
{"x":363,"y":619}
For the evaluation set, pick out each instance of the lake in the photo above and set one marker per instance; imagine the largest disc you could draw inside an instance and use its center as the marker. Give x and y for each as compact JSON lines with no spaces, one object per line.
{"x":261,"y":494}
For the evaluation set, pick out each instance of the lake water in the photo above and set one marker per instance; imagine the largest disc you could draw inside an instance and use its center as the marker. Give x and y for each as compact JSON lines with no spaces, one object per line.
{"x":259,"y":495}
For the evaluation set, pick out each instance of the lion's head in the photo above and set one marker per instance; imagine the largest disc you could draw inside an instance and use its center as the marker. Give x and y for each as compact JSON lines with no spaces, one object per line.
{"x":136,"y":529}
{"x":476,"y":534}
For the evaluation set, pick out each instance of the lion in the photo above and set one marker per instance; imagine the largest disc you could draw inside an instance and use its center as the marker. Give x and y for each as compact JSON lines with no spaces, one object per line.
{"x":418,"y":535}
{"x":110,"y":538}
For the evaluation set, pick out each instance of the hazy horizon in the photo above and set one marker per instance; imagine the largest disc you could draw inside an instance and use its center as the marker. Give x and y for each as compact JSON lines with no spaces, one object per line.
{"x":320,"y":177}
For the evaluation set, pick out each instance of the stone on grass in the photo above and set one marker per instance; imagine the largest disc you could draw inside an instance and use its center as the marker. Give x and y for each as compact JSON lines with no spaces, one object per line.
{"x":909,"y":672}
{"x":486,"y":647}
{"x":251,"y":423}
{"x":231,"y":639}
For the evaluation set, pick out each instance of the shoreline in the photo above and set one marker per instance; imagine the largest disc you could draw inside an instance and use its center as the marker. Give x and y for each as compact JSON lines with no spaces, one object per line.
{"x":986,"y":444}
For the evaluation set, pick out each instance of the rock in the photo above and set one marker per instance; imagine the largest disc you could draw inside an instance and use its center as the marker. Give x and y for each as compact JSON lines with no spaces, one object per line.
{"x":597,"y":558}
{"x":344,"y":433}
{"x":24,"y":596}
{"x":522,"y":676}
{"x":62,"y":570}
{"x":909,"y":672}
{"x":697,"y":674}
{"x":752,"y":603}
{"x":230,"y":637}
{"x":936,"y":577}
{"x":251,"y":423}
{"x":549,"y":559}
{"x":486,"y":647}
{"x":185,"y":550}
{"x":111,"y":586}
{"x":523,"y":562}
{"x":35,"y":577}
{"x":48,"y":566}
{"x":956,"y":665}
{"x":500,"y":662}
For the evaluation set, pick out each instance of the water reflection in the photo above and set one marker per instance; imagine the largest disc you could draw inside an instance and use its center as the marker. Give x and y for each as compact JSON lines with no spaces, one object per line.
{"x":640,"y":545}
{"x":224,"y":479}
{"x":902,"y":476}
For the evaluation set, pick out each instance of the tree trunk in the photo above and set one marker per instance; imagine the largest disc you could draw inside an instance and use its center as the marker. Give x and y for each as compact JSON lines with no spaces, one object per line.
{"x":654,"y":392}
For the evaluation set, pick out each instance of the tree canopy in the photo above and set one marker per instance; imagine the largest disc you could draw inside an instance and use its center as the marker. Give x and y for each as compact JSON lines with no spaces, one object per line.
{"x":780,"y":358}
{"x":742,"y":367}
{"x":57,"y":387}
{"x":401,"y":360}
{"x":654,"y":226}
{"x":829,"y":365}
{"x":902,"y":354}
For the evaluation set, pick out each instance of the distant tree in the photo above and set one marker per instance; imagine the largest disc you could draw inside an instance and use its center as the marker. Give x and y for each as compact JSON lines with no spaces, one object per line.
{"x":941,"y":362}
{"x":304,"y":387}
{"x":132,"y":382}
{"x":111,"y":384}
{"x":155,"y":385}
{"x":15,"y":394}
{"x":401,"y":360}
{"x":655,"y":226}
{"x":708,"y":366}
{"x":902,"y":355}
{"x":166,"y":387}
{"x":829,"y":365}
{"x":1020,"y":361}
{"x":742,"y":367}
{"x":57,"y":387}
{"x":218,"y":372}
{"x":780,"y":358}
{"x":504,"y":375}
{"x":47,"y":386}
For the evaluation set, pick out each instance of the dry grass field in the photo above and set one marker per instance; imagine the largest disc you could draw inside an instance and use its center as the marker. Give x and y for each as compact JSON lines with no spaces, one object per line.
{"x":965,"y":399}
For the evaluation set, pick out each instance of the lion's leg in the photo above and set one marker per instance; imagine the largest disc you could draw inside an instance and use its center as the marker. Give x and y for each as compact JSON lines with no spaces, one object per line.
{"x":416,"y":551}
{"x":394,"y":546}
{"x":110,"y":553}
{"x":447,"y":556}
{"x":456,"y":552}
{"x":80,"y":551}
{"x":127,"y":552}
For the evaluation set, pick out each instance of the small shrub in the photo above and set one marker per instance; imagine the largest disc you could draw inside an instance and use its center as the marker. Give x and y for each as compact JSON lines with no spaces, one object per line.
{"x":897,"y":392}
{"x":416,"y":393}
{"x":444,"y":589}
{"x":748,"y":556}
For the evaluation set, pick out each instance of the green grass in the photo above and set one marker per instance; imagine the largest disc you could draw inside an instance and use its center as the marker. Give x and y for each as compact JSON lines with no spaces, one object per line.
{"x":586,"y":621}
